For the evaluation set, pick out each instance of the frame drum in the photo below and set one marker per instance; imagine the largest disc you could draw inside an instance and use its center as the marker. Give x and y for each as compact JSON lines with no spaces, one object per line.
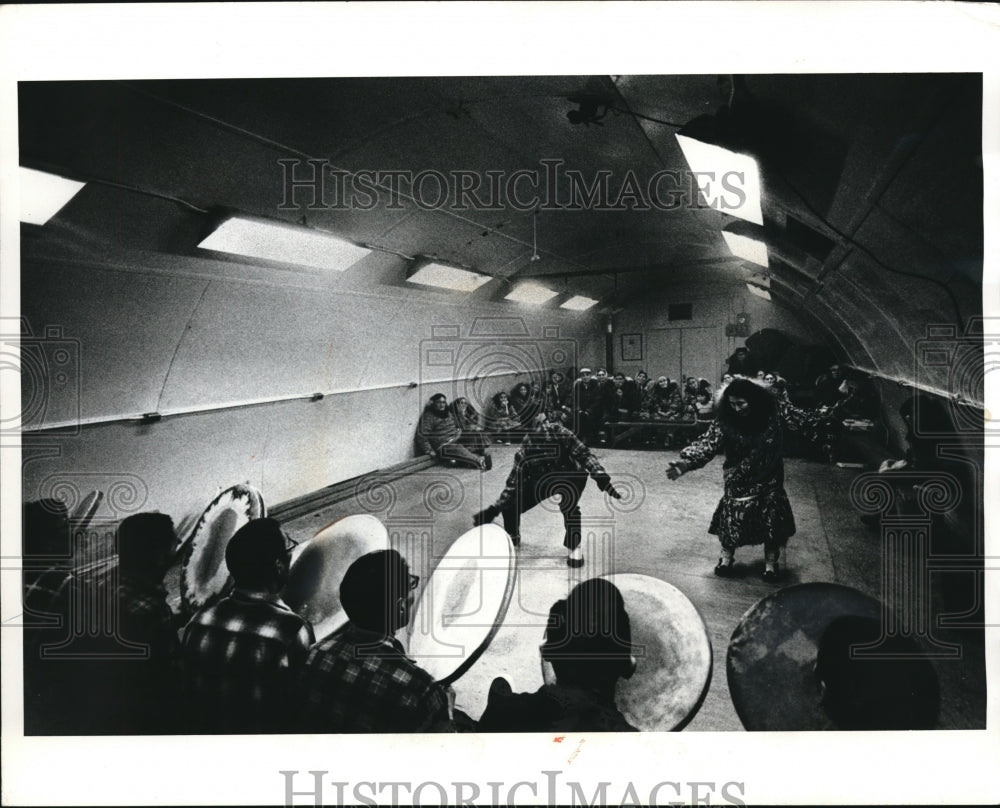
{"x":773,"y":650}
{"x":319,"y":565}
{"x":463,"y":603}
{"x":205,"y":576}
{"x":673,"y":654}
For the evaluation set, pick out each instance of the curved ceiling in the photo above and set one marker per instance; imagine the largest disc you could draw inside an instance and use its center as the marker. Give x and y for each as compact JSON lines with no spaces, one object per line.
{"x":872,"y":183}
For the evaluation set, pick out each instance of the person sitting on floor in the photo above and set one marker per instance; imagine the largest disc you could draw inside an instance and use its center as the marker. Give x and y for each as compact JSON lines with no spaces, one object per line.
{"x":471,"y":423}
{"x":440,"y":436}
{"x":524,"y":406}
{"x":501,"y":419}
{"x":587,"y":649}
{"x":359,"y":679}
{"x":240,"y":655}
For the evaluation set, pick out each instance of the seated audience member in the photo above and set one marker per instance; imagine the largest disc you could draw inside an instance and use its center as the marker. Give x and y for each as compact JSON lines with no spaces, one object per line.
{"x":621,"y":399}
{"x":471,"y":423}
{"x":525,"y":408}
{"x":147,"y":696}
{"x":241,"y":655}
{"x":359,"y":679}
{"x":642,"y":382}
{"x":827,"y":386}
{"x":587,"y":649}
{"x":663,"y":403}
{"x":501,"y":419}
{"x":704,"y":405}
{"x":742,"y":363}
{"x":896,"y":689}
{"x":586,"y":406}
{"x":47,"y":562}
{"x":440,"y":436}
{"x":138,"y":689}
{"x":557,"y":398}
{"x":49,"y":705}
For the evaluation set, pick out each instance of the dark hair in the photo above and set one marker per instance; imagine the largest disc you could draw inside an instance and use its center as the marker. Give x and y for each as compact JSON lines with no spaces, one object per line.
{"x":372,"y":587}
{"x":252,"y":551}
{"x":589,"y":636}
{"x":762,"y":407}
{"x":894,"y":688}
{"x":436,"y":396}
{"x":145,"y":541}
{"x":45,"y":528}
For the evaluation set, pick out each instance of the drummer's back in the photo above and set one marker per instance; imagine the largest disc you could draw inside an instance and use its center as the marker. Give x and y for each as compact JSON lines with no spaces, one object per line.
{"x":359,"y":680}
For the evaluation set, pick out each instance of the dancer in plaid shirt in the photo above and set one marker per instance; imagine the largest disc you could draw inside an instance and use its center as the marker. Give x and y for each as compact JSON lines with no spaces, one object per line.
{"x":359,"y":679}
{"x":241,"y":655}
{"x":551,"y":460}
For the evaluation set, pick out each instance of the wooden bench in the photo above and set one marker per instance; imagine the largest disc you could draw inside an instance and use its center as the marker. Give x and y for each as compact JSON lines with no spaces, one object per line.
{"x":618,"y":431}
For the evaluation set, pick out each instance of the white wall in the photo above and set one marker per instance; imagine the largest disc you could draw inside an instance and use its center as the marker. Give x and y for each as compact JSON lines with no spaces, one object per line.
{"x":703,"y":346}
{"x":179,"y":335}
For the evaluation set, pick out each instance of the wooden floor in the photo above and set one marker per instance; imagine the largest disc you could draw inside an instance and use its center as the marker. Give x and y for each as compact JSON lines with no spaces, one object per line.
{"x":659,"y":529}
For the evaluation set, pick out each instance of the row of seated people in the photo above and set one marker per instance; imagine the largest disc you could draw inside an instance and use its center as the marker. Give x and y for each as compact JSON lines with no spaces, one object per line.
{"x":249,"y":664}
{"x":600,"y":401}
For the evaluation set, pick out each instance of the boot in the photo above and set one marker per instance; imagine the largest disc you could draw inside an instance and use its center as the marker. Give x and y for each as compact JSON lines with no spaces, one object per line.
{"x":575,"y":558}
{"x":725,"y":565}
{"x":770,"y":566}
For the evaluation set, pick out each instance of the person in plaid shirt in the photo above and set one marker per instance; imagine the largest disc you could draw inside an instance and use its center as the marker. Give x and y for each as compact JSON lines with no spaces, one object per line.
{"x":359,"y":679}
{"x":551,"y":460}
{"x":241,"y":654}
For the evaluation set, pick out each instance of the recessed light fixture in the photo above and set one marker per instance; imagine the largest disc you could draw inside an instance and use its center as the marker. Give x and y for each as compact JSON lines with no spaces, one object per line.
{"x":532,"y":293}
{"x":727,"y":181}
{"x":578,"y":303}
{"x":751,"y":249}
{"x":288,"y":244}
{"x":43,"y":195}
{"x":443,"y":276}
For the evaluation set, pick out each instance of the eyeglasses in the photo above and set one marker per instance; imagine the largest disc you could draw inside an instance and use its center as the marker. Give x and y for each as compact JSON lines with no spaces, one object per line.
{"x":290,"y":543}
{"x":414,"y":580}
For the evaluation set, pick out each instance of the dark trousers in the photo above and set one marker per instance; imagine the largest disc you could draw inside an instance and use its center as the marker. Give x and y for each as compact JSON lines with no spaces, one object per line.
{"x":568,"y":485}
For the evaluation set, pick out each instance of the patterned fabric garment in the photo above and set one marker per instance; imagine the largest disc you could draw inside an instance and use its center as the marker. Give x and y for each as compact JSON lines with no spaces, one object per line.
{"x":239,"y":658}
{"x":360,"y":681}
{"x":754,"y":508}
{"x":550,"y":447}
{"x":147,"y":619}
{"x":436,"y":429}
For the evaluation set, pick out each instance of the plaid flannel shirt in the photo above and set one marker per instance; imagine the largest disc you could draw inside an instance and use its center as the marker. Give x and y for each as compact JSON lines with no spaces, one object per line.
{"x":239,"y":659}
{"x":549,"y":447}
{"x":360,"y":681}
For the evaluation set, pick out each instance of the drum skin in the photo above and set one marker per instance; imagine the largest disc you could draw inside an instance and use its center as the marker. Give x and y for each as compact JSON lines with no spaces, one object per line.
{"x":772,"y":653}
{"x":205,"y":577}
{"x":673,"y":655}
{"x":319,"y":565}
{"x":464,"y":602}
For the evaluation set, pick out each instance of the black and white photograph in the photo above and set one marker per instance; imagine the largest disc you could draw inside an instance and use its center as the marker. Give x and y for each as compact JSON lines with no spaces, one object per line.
{"x":490,"y":427}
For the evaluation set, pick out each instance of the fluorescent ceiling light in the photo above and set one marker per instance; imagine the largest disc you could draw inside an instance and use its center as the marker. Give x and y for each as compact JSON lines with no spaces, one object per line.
{"x":727,"y":181}
{"x":446,"y":277}
{"x":284,"y":243}
{"x":744,"y":247}
{"x":759,"y":291}
{"x":532,"y":293}
{"x":578,"y":303}
{"x":44,"y":195}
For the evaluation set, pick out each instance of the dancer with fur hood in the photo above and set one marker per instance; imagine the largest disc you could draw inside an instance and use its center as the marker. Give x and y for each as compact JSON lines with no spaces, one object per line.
{"x":754,"y":508}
